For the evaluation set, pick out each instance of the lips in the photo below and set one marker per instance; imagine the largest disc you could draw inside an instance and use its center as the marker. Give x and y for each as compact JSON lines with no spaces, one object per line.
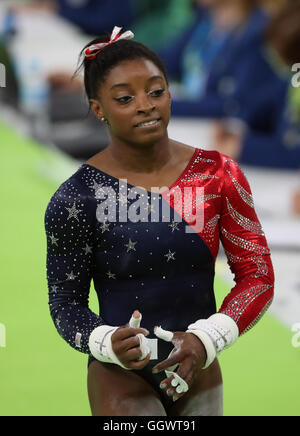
{"x":148,"y":123}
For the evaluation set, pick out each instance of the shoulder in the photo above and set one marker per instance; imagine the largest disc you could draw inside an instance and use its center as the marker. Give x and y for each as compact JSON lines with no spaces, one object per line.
{"x":76,"y":194}
{"x":213,"y":159}
{"x":226,"y":169}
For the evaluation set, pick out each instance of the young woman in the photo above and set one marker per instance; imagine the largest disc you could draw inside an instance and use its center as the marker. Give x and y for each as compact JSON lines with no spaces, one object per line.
{"x":143,"y":219}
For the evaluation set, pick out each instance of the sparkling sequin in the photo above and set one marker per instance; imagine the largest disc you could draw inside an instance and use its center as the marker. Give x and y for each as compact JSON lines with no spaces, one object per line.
{"x":244,"y":243}
{"x":159,"y":262}
{"x":261,"y":264}
{"x":240,"y":303}
{"x":243,"y":221}
{"x":210,"y":227}
{"x":245,"y":196}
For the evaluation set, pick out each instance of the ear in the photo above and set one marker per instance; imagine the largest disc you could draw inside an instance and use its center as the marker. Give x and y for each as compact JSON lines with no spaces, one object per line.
{"x":97,"y":108}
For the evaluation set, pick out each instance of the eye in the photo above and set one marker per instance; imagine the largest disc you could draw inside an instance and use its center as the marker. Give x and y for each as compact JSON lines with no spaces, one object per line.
{"x":156,"y":93}
{"x":124,"y":100}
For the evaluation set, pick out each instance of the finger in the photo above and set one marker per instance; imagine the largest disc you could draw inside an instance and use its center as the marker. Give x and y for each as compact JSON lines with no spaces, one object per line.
{"x":135,"y":320}
{"x":179,"y":384}
{"x":138,"y":341}
{"x":175,"y":382}
{"x":165,"y":364}
{"x":189,"y":378}
{"x":126,"y":332}
{"x":138,"y":364}
{"x":184,"y":369}
{"x":165,"y":335}
{"x":127,"y":344}
{"x":133,"y":354}
{"x":143,"y":346}
{"x":176,"y":396}
{"x":166,"y":383}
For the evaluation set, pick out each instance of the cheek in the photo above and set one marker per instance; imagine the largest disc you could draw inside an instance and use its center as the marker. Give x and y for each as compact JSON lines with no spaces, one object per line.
{"x":165,"y":110}
{"x":120,"y":122}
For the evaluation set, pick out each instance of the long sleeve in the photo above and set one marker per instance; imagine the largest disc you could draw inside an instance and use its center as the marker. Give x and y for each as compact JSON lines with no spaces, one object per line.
{"x":247,"y":251}
{"x":70,"y":229}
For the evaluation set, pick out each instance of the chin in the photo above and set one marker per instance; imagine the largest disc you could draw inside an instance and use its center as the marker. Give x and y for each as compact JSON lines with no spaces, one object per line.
{"x":151,"y":138}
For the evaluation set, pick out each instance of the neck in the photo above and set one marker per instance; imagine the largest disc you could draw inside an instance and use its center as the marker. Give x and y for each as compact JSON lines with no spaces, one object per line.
{"x":140,"y":158}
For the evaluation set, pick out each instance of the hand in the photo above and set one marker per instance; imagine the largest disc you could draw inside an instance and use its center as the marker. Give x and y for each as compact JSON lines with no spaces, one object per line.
{"x":127,"y":346}
{"x":190,"y":354}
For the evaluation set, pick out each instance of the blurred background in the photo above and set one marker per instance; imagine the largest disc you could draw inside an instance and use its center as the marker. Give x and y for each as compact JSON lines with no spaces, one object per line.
{"x":234,"y":72}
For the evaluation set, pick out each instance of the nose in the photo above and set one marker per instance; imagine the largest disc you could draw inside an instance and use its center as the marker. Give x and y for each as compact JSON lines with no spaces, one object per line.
{"x":144,"y":104}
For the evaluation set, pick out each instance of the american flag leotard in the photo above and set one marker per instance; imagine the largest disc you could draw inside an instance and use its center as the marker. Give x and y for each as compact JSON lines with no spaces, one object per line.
{"x":147,"y":253}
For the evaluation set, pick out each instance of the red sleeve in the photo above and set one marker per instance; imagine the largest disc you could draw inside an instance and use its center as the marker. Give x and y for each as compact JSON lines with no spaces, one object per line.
{"x":246,"y":249}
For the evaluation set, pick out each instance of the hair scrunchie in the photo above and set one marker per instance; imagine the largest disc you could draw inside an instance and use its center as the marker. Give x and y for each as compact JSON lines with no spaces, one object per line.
{"x":92,"y":51}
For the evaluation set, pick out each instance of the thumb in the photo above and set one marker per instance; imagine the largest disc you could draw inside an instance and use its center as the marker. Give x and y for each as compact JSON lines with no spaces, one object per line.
{"x":165,"y":335}
{"x":135,"y":320}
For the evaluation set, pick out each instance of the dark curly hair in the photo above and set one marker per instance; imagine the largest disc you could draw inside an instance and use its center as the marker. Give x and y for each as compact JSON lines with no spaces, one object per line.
{"x":96,"y":70}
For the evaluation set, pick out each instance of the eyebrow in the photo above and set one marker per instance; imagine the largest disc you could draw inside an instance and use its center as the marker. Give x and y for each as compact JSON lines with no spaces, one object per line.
{"x":151,"y":79}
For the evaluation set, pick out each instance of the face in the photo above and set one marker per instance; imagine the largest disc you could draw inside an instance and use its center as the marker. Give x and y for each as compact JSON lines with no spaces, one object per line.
{"x":135,"y":101}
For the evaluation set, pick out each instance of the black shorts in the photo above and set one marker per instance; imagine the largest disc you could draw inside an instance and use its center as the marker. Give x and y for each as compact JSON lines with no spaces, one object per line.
{"x":164,"y":349}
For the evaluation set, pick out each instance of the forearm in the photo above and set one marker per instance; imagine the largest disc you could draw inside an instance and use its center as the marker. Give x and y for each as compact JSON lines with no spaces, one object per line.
{"x":75,"y":323}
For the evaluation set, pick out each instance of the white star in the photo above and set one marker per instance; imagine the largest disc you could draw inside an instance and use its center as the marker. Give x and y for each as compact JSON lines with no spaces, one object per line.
{"x":73,"y":212}
{"x":53,"y":239}
{"x":71,"y":276}
{"x":105,"y":227}
{"x":174,"y":226}
{"x":170,"y":255}
{"x":87,"y":249}
{"x":54,"y":289}
{"x":111,"y":275}
{"x":130,"y":245}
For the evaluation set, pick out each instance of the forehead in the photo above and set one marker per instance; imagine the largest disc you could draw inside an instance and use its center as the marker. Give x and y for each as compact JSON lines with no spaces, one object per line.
{"x":132,"y":71}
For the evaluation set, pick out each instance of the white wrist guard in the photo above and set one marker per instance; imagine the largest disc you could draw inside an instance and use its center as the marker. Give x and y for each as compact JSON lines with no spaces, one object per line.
{"x":216,"y":333}
{"x":101,"y":347}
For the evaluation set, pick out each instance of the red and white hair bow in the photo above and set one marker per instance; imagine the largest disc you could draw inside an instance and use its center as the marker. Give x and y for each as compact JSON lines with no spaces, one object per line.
{"x":92,"y":51}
